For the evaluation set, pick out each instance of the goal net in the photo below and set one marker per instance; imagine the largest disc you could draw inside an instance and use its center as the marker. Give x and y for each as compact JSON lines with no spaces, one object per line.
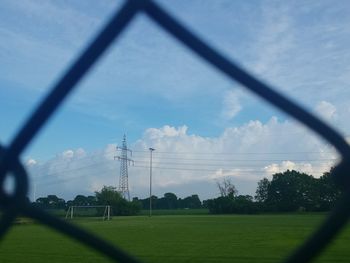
{"x":103,"y":211}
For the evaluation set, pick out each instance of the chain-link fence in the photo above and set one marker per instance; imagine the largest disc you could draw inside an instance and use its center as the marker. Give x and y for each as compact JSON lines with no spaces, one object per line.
{"x":16,"y":202}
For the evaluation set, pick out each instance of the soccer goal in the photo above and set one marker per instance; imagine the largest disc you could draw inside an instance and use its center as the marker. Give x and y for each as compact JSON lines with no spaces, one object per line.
{"x":103,"y":211}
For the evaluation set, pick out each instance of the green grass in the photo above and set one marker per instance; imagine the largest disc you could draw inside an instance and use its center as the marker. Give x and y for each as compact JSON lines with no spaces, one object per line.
{"x":197,"y":238}
{"x":92,"y":212}
{"x":202,"y":211}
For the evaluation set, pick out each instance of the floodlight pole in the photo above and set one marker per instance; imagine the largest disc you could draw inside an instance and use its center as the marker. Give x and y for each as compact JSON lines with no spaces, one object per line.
{"x":34,"y":192}
{"x":150,"y":182}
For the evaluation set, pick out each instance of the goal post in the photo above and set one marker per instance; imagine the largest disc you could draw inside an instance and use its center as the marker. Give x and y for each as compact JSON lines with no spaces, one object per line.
{"x":74,"y":211}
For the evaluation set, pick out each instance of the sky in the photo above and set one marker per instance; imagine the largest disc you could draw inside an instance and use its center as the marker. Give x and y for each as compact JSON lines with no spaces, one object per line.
{"x":149,"y":87}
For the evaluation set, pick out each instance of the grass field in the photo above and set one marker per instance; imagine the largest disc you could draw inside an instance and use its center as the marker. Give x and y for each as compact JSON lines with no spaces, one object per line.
{"x":196,"y":238}
{"x":167,"y":212}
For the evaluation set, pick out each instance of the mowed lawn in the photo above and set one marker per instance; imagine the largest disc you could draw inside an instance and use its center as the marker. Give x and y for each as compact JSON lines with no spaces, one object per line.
{"x":198,"y":238}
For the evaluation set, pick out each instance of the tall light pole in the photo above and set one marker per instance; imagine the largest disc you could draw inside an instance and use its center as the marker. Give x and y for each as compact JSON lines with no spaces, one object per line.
{"x":150,"y":182}
{"x":34,"y":193}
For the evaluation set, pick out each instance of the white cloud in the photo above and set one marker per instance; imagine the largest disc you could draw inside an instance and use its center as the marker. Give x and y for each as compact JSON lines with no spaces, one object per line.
{"x":297,"y":64}
{"x":31,"y":162}
{"x":69,"y":154}
{"x":245,"y":153}
{"x":274,"y":39}
{"x":326,"y":110}
{"x":271,"y":49}
{"x":231,"y":105}
{"x":80,"y":152}
{"x":235,"y":173}
{"x":258,"y":150}
{"x":289,"y":165}
{"x":165,"y":132}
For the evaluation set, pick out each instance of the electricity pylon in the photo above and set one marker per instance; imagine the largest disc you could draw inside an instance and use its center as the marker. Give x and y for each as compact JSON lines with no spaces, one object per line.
{"x":124,"y":163}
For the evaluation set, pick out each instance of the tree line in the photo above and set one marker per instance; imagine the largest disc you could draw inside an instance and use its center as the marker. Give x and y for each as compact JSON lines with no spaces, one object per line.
{"x":295,"y":191}
{"x":289,"y":191}
{"x":110,"y":196}
{"x":107,"y":196}
{"x":170,"y":201}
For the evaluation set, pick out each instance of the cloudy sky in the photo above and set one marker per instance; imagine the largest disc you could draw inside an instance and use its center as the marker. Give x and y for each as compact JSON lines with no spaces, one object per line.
{"x":203,"y":126}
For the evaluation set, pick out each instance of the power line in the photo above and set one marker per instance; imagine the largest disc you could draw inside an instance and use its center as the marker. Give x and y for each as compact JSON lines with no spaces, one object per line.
{"x":99,"y":163}
{"x":93,"y":154}
{"x":158,"y":156}
{"x":227,"y":169}
{"x":210,"y":170}
{"x":65,"y":179}
{"x":71,"y":170}
{"x":237,"y":153}
{"x":209,"y":164}
{"x":250,"y":160}
{"x":43,"y":167}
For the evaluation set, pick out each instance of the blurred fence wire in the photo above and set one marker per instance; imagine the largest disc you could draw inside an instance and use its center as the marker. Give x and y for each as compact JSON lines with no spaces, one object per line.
{"x":16,"y":202}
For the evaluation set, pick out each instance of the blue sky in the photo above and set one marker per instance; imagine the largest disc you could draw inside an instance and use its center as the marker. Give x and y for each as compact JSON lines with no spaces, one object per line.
{"x":161,"y":95}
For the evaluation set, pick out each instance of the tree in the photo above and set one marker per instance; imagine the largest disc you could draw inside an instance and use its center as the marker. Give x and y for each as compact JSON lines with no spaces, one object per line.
{"x":241,"y":204}
{"x":144,"y":203}
{"x":110,"y":196}
{"x":329,"y":192}
{"x":91,"y":200}
{"x":244,"y":204}
{"x":262,"y":192}
{"x":230,"y":202}
{"x":292,"y":191}
{"x":50,"y":202}
{"x":227,"y":188}
{"x":192,"y":201}
{"x":80,"y":200}
{"x":170,"y":200}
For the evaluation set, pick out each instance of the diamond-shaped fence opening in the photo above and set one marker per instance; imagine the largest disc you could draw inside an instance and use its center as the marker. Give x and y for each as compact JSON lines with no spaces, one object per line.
{"x":15,"y":203}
